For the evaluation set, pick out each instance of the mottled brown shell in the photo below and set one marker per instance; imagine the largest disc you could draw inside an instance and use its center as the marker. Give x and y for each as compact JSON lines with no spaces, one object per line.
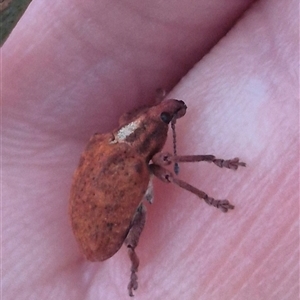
{"x":107,"y":188}
{"x":113,"y":176}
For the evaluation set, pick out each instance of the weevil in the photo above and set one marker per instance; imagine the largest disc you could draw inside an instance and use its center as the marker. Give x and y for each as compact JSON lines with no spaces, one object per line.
{"x":114,"y":179}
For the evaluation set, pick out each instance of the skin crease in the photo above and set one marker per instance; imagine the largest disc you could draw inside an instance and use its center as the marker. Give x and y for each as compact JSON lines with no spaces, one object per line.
{"x":68,"y":73}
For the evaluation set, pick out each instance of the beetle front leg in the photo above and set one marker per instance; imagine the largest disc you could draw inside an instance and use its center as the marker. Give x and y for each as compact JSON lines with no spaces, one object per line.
{"x":166,"y":176}
{"x":165,"y":158}
{"x":131,"y":242}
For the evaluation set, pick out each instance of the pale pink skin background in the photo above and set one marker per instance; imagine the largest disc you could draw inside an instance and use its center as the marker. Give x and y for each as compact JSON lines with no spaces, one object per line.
{"x":70,"y":68}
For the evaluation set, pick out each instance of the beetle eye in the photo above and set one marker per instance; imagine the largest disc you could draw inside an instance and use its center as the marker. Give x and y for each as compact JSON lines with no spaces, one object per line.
{"x":166,"y":117}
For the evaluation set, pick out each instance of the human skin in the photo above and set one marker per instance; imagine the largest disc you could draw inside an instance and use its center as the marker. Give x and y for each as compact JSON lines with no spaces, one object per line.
{"x":72,"y":69}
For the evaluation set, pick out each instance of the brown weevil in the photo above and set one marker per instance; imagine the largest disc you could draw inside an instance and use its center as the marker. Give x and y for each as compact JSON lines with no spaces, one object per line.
{"x":114,"y":177}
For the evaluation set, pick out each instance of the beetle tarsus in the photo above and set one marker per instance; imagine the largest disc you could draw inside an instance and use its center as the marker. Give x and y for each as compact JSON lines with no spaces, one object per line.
{"x":133,"y":283}
{"x":131,"y":242}
{"x":232,"y":164}
{"x":223,"y":205}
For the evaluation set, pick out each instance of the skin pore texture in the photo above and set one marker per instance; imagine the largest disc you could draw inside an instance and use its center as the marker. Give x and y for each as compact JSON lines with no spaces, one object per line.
{"x":72,"y":68}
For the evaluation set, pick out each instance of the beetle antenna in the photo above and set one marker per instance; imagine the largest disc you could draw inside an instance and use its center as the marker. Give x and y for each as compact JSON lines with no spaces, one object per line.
{"x":176,"y":165}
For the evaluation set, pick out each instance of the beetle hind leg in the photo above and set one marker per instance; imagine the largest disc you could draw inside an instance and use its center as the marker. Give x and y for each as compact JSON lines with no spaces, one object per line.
{"x":131,"y":242}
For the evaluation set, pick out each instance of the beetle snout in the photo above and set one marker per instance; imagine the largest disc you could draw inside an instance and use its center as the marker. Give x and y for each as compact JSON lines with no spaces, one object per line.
{"x":181,"y":110}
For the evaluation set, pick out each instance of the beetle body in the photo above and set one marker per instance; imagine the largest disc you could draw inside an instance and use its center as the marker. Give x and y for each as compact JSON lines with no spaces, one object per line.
{"x":114,"y":176}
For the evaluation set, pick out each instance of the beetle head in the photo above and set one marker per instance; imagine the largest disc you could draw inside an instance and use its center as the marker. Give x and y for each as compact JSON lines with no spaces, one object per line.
{"x":146,"y":131}
{"x":170,"y":110}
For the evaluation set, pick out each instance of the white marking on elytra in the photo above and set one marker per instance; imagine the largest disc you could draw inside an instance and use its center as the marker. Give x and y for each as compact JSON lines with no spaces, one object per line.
{"x":127,"y":130}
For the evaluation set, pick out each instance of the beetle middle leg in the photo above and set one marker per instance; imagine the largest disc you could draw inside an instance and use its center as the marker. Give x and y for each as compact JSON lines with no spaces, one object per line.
{"x":165,"y":158}
{"x":131,"y":242}
{"x":166,"y":176}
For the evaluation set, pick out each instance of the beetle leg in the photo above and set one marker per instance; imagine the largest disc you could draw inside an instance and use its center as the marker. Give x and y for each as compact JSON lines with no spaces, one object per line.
{"x":131,"y":242}
{"x":166,"y":176}
{"x":160,"y":95}
{"x":149,"y":193}
{"x":165,"y":158}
